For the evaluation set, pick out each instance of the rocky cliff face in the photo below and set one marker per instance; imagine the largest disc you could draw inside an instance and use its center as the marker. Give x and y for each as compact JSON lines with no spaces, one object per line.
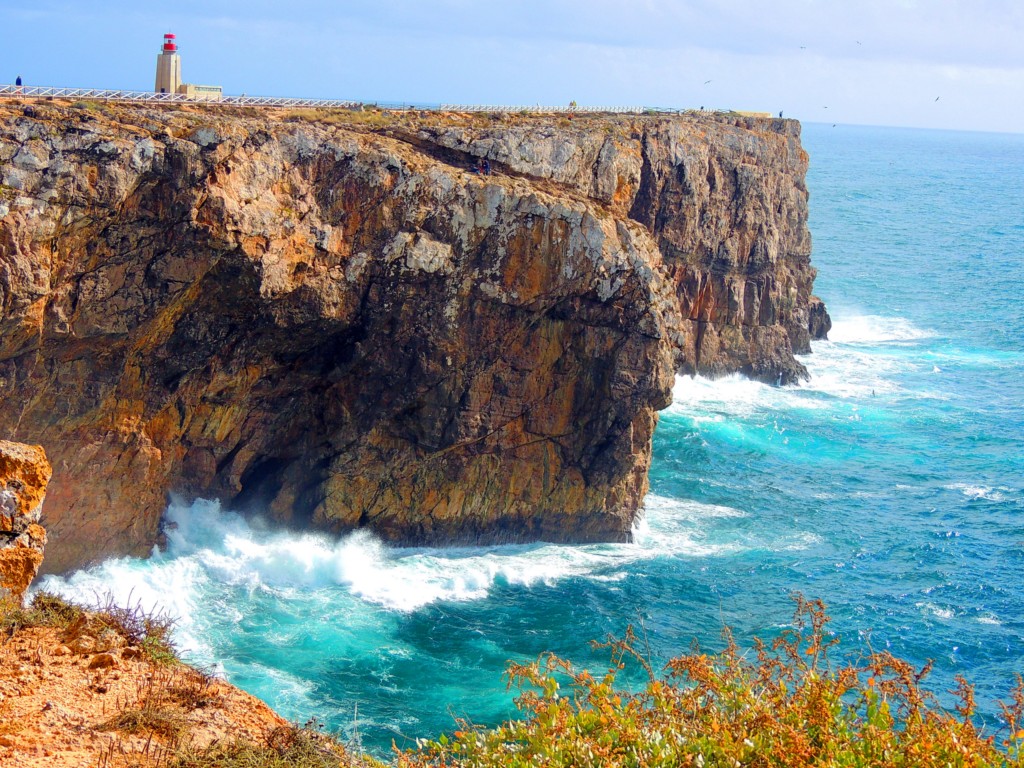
{"x":24,"y":473}
{"x":726,"y":204}
{"x":332,"y":320}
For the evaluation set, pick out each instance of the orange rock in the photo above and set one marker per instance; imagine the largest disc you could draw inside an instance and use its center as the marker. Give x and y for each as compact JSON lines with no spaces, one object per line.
{"x":18,"y":566}
{"x":25,"y":472}
{"x":102,"y":661}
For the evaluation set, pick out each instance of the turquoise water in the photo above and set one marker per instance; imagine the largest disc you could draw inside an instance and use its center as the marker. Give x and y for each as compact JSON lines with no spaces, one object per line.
{"x":891,"y":486}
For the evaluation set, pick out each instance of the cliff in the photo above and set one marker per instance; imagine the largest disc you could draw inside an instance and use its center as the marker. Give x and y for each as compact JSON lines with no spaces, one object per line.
{"x":328,"y":318}
{"x":24,"y":473}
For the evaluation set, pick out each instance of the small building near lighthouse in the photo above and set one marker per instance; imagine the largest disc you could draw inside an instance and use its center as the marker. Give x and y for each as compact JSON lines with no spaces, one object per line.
{"x":168,"y":75}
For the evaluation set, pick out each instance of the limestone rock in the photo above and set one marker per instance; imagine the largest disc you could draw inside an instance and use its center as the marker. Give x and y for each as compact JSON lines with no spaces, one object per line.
{"x":24,"y":474}
{"x":340,"y":326}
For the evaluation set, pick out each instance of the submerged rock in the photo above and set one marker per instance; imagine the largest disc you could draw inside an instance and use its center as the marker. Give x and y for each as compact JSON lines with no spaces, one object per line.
{"x":343,"y":327}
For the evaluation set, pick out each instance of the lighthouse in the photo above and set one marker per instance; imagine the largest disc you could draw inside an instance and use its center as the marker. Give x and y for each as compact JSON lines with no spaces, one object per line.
{"x":168,"y":67}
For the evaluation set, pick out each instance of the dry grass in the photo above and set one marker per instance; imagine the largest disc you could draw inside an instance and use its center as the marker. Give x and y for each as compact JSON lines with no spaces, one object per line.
{"x":291,"y":747}
{"x":162,"y":704}
{"x":132,"y":708}
{"x":349,"y":118}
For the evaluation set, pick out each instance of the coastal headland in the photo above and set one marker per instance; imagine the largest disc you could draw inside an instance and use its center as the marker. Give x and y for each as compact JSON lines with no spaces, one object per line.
{"x":444,"y":327}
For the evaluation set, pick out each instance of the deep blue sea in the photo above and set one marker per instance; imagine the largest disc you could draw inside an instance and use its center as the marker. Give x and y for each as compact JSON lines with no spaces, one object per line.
{"x":891,"y":486}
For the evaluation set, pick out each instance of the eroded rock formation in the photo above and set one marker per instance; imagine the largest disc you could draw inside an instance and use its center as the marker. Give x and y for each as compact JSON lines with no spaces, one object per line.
{"x":332,"y":320}
{"x":726,"y":204}
{"x":24,"y":474}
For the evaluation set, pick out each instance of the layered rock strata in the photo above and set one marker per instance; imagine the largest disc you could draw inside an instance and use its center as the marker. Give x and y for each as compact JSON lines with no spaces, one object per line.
{"x":724,"y":199}
{"x":332,"y":320}
{"x":24,"y":474}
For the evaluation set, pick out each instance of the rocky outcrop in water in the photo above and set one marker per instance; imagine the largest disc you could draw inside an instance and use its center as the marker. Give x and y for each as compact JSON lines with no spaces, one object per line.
{"x":24,"y":474}
{"x":332,"y":320}
{"x":819,"y":323}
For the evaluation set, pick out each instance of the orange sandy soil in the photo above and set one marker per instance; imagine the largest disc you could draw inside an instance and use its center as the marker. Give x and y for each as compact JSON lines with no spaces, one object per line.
{"x":54,"y":704}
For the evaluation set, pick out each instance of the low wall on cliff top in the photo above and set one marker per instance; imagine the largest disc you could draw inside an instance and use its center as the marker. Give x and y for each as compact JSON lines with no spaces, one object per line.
{"x":331,"y":319}
{"x":50,"y":93}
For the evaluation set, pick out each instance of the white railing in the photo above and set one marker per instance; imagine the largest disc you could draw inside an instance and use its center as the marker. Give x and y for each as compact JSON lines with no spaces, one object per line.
{"x":539,"y":108}
{"x":97,"y":94}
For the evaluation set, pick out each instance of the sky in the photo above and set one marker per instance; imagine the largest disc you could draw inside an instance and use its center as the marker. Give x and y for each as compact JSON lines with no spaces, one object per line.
{"x":955,"y":64}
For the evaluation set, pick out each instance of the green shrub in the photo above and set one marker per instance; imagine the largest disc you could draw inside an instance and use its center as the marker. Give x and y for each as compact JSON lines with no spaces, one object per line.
{"x":150,"y":630}
{"x":45,"y":610}
{"x":788,"y":706}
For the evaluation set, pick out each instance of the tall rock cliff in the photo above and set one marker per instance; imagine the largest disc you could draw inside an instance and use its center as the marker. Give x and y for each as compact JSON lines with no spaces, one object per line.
{"x":331,"y":319}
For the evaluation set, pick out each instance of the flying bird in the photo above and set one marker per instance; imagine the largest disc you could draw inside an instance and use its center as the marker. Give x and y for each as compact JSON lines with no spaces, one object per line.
{"x":706,"y":82}
{"x":937,"y":98}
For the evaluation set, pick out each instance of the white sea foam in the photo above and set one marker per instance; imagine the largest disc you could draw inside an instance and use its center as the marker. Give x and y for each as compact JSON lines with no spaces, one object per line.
{"x":732,"y":397}
{"x":875,"y":329}
{"x":985,"y":492}
{"x":169,"y":585}
{"x":937,"y":611}
{"x":863,"y":358}
{"x":211,"y":552}
{"x":797,"y":541}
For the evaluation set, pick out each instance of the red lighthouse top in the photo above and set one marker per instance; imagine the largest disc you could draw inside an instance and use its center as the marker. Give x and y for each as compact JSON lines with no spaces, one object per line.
{"x":169,"y":45}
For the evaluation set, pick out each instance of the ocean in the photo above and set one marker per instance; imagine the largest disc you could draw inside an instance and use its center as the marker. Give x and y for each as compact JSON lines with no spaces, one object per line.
{"x":891,"y":486}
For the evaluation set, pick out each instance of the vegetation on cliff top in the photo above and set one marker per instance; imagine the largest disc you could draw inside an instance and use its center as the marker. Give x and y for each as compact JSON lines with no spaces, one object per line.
{"x":135,"y":626}
{"x":784,"y":704}
{"x":787,"y":705}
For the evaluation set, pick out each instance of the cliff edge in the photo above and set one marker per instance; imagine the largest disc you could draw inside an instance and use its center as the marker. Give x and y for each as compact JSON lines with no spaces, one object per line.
{"x":331,"y":319}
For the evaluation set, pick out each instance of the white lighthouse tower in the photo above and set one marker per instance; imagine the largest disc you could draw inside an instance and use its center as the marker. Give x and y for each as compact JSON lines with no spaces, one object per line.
{"x":168,"y":67}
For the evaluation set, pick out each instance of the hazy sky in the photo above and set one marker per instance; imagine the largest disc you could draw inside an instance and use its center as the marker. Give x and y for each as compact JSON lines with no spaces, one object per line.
{"x":880,"y":62}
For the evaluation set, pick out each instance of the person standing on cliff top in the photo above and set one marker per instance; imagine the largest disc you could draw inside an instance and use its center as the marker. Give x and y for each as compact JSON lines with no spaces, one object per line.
{"x":17,"y":83}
